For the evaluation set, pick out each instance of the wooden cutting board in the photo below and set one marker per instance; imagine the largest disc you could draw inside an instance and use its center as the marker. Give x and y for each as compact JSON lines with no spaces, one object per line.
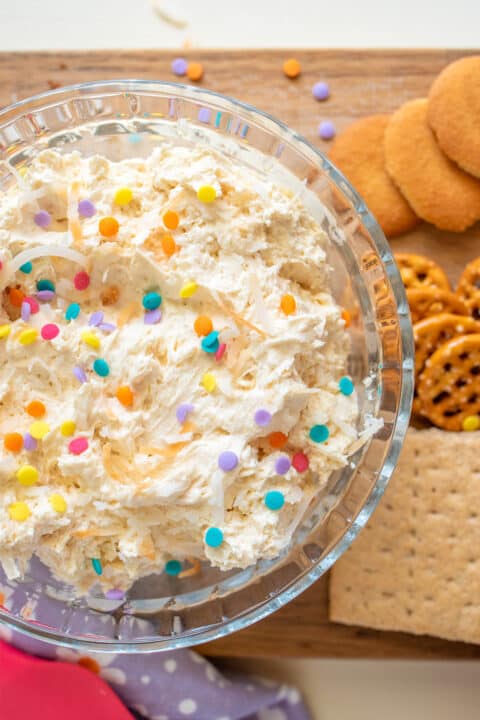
{"x":361,"y":83}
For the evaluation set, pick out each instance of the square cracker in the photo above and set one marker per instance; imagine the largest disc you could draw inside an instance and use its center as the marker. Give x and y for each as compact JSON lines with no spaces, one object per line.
{"x":416,"y":565}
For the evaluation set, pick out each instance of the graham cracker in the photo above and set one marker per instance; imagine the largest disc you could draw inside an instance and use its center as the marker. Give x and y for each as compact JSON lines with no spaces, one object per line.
{"x":416,"y":566}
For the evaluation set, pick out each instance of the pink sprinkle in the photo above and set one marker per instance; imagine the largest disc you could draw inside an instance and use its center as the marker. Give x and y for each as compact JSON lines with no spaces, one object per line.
{"x":300,"y":462}
{"x":50,"y":331}
{"x":220,"y":352}
{"x":1,"y":264}
{"x":34,"y":306}
{"x":81,"y":280}
{"x":78,"y":445}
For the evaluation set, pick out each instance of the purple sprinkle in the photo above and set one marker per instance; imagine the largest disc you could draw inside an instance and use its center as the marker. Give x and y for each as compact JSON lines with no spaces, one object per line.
{"x":96,"y":318}
{"x":45,"y":295}
{"x":326,"y":130}
{"x":321,"y":91}
{"x":204,"y":115}
{"x":179,"y":66}
{"x":115,"y":594}
{"x":107,"y":327}
{"x":29,"y":442}
{"x":86,"y":208}
{"x":26,"y":311}
{"x":282,"y":465}
{"x":152,"y":317}
{"x":227,"y":461}
{"x":43,"y":218}
{"x":80,"y":374}
{"x":262,"y":418}
{"x":182,"y":411}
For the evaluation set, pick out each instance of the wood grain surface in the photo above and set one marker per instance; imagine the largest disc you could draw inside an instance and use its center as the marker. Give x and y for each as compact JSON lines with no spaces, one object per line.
{"x":361,"y":83}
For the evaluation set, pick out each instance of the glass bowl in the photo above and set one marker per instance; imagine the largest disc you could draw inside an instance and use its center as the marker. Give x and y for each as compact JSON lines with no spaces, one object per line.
{"x":127,"y":118}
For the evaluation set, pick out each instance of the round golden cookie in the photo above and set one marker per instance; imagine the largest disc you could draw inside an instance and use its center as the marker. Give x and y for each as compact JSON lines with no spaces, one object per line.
{"x":436,"y":188}
{"x":425,"y":302}
{"x":418,"y":271}
{"x":449,"y":386}
{"x":359,"y":153}
{"x":454,"y":112}
{"x":431,"y":333}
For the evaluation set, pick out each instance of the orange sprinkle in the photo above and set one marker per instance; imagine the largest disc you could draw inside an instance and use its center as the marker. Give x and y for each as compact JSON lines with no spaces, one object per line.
{"x":277,"y":440}
{"x":169,"y":246}
{"x":36,"y":409}
{"x":89,"y":664}
{"x":195,"y":71}
{"x":108,"y":226}
{"x":171,"y":220}
{"x":125,"y":395}
{"x":288,"y":304}
{"x":292,"y":68}
{"x":203,"y":325}
{"x":13,"y":442}
{"x":347,"y":318}
{"x":16,"y":297}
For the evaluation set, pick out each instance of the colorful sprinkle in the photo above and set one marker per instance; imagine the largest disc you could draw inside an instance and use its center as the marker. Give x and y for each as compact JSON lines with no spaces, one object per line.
{"x":67,"y":428}
{"x":183,"y":411}
{"x":319,"y":433}
{"x":101,"y":367}
{"x":169,"y":246}
{"x":188,"y":289}
{"x":34,"y":306}
{"x":214,"y":537}
{"x":107,"y":327}
{"x":58,"y":503}
{"x":19,"y":511}
{"x":171,"y":220}
{"x":206,"y":194}
{"x":97,"y":566}
{"x":292,"y":68}
{"x":125,"y":395}
{"x":222,"y":348}
{"x":27,"y":337}
{"x":203,"y":325}
{"x":152,"y":300}
{"x":209,"y":382}
{"x":26,"y":268}
{"x":123,"y":196}
{"x":152,"y":317}
{"x":36,"y":409}
{"x":179,"y":66}
{"x":13,"y":442}
{"x":326,"y":130}
{"x":471,"y":423}
{"x":204,"y":115}
{"x":81,"y":280}
{"x":274,"y":500}
{"x":115,"y":594}
{"x":321,"y":91}
{"x":4,"y":331}
{"x":42,"y":218}
{"x":16,"y":297}
{"x":227,"y":461}
{"x":29,"y":442}
{"x":80,"y":374}
{"x":288,"y":304}
{"x":347,"y":318}
{"x":45,"y":284}
{"x":26,"y":311}
{"x":50,"y":331}
{"x":90,"y":339}
{"x":39,"y":429}
{"x":96,"y":318}
{"x":277,"y":440}
{"x":282,"y":465}
{"x":78,"y":446}
{"x":210,"y":342}
{"x":27,"y":475}
{"x":300,"y":462}
{"x":45,"y":295}
{"x":86,"y":208}
{"x":108,"y":227}
{"x":262,"y":417}
{"x":173,"y":567}
{"x":346,"y":386}
{"x":195,"y":71}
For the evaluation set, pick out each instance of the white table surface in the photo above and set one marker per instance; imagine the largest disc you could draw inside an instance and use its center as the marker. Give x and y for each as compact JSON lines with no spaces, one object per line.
{"x":335,"y":689}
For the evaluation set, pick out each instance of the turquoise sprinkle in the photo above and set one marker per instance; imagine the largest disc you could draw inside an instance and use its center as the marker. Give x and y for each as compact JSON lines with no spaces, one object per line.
{"x":97,"y":566}
{"x":45,"y":285}
{"x":346,"y":385}
{"x":210,"y":342}
{"x":319,"y":433}
{"x":274,"y":500}
{"x":72,"y":312}
{"x":152,"y":300}
{"x":214,"y":537}
{"x":134,"y":138}
{"x":173,"y":567}
{"x":101,"y":367}
{"x":26,"y":268}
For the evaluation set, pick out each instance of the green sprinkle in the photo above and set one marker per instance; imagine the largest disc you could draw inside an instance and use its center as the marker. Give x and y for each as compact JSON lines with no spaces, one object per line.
{"x":214,"y":537}
{"x":173,"y":567}
{"x":346,"y":386}
{"x":152,"y":300}
{"x":72,"y":312}
{"x":26,"y":268}
{"x":101,"y":367}
{"x":97,"y":566}
{"x":319,"y":433}
{"x":45,"y":285}
{"x":274,"y":500}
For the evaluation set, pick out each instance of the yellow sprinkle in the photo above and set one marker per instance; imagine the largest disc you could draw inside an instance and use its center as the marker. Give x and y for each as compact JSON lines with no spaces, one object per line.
{"x":471,"y":422}
{"x":27,"y":475}
{"x":58,"y":503}
{"x":4,"y":331}
{"x":206,"y":194}
{"x":209,"y":382}
{"x":19,"y":511}
{"x":123,"y":196}
{"x":188,"y":289}
{"x":67,"y":428}
{"x":23,"y":171}
{"x":27,"y":337}
{"x":89,"y":338}
{"x":39,"y":429}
